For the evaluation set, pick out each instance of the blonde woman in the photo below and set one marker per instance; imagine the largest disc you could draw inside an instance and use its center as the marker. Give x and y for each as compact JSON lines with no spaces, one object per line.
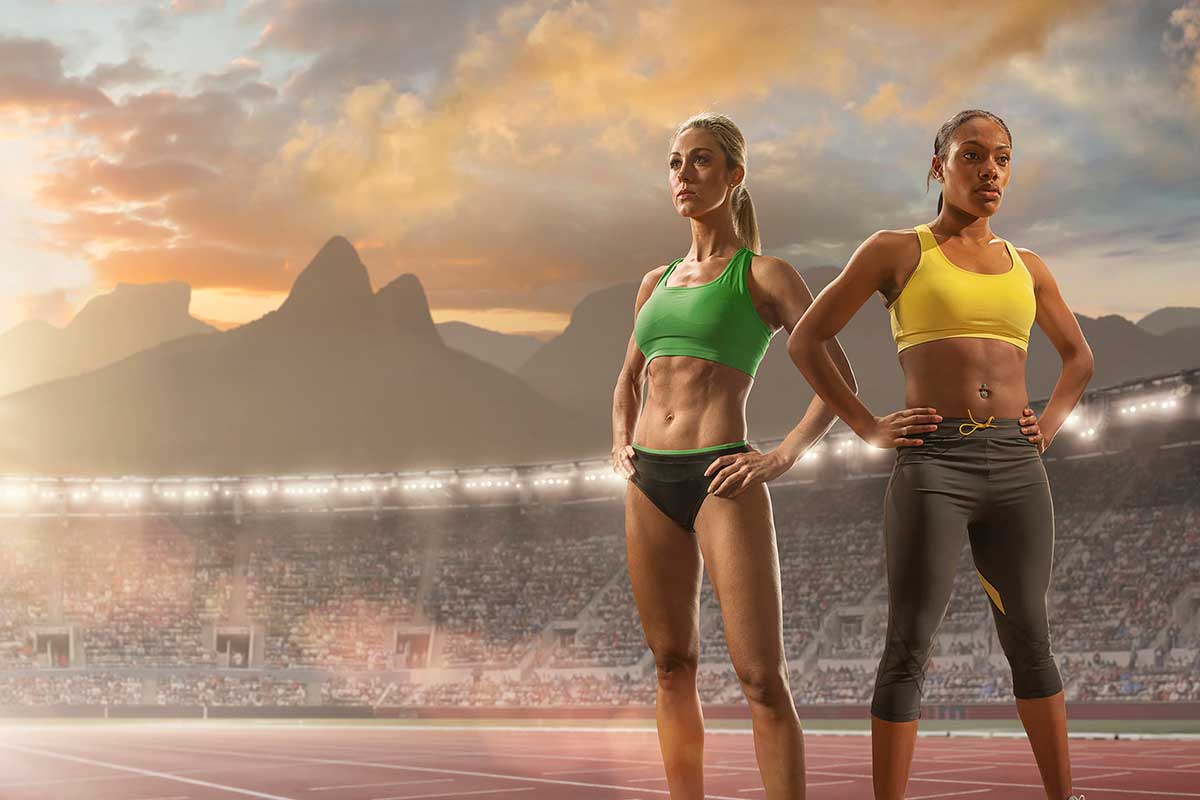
{"x":697,"y":492}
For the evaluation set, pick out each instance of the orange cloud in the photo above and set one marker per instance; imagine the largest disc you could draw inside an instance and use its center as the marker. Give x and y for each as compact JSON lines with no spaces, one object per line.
{"x":199,"y":265}
{"x":99,"y":180}
{"x":523,"y":176}
{"x":54,"y":306}
{"x":32,"y":81}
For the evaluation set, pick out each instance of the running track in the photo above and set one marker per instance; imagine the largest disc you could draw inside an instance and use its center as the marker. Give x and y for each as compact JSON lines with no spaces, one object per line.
{"x":165,"y":762}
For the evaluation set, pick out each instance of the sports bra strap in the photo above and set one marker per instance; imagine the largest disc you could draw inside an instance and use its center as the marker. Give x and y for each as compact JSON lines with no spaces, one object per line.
{"x":928,"y":240}
{"x":667,"y":273}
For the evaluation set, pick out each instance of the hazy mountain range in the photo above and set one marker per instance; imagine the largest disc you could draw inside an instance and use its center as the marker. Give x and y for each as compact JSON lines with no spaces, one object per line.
{"x":342,"y":378}
{"x":125,"y":321}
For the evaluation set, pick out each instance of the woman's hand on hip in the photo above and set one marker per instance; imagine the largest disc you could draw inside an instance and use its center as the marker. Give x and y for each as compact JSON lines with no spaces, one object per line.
{"x":900,"y":428}
{"x":1032,"y":431}
{"x":734,"y":473}
{"x":622,"y":460}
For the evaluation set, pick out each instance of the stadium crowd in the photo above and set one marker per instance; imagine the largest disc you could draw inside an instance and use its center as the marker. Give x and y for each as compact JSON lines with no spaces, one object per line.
{"x":543,"y":587}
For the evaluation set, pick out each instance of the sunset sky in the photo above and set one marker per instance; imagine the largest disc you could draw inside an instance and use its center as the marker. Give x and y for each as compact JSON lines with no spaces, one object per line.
{"x":513,"y":154}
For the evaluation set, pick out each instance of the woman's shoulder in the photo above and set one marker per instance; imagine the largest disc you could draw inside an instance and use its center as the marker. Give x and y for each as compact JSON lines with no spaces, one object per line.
{"x":888,"y":250}
{"x":894,"y":241}
{"x":649,"y":281}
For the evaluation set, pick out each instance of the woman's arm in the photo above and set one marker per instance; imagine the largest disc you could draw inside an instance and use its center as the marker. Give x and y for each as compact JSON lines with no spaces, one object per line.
{"x":783,"y":291}
{"x":1062,"y":329}
{"x":627,"y":396}
{"x":789,"y":297}
{"x":870,"y":269}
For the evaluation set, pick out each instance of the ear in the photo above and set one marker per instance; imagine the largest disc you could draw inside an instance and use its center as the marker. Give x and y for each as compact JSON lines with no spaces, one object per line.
{"x":935,"y":166}
{"x":737,"y":175}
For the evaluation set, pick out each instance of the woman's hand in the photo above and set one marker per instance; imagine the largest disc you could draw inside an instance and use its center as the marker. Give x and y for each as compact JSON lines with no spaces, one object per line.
{"x":1029,"y":427}
{"x":897,"y":429}
{"x":734,"y":473}
{"x":622,"y":460}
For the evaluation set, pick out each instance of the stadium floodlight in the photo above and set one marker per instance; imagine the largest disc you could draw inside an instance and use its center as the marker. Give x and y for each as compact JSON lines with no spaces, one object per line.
{"x":550,"y":480}
{"x":14,"y":493}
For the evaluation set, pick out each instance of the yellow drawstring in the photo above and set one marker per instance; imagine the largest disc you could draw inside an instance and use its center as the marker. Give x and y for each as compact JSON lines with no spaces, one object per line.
{"x":974,"y":424}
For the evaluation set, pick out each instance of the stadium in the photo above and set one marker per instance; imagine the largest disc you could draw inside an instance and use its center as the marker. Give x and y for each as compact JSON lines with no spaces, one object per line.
{"x":334,"y":332}
{"x":499,"y":596}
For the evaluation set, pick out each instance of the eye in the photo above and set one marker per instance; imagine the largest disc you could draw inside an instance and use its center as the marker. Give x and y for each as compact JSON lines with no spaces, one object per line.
{"x":970,"y":154}
{"x":1004,"y":159}
{"x":674,"y":163}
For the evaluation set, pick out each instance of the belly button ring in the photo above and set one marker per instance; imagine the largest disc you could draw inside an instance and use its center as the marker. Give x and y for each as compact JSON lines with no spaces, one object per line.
{"x":984,"y":391}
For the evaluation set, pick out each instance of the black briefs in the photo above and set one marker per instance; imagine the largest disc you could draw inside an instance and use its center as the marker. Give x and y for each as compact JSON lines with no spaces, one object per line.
{"x":675,"y":481}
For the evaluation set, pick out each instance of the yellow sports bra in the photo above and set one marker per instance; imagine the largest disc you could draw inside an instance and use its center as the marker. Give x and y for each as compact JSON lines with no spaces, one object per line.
{"x":943,"y":301}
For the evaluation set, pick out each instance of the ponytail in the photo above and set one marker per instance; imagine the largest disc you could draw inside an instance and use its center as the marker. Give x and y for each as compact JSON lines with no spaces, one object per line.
{"x":745,"y":223}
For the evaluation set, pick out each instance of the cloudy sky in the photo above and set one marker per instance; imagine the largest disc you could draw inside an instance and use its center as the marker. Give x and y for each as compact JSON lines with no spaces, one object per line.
{"x":513,"y":154}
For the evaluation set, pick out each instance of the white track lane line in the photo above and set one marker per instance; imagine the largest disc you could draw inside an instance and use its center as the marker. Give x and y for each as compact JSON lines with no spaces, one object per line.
{"x":373,"y":785}
{"x":663,"y":778}
{"x":592,"y":769}
{"x":412,"y":768}
{"x":147,"y":772}
{"x":456,"y":794}
{"x":110,"y":778}
{"x":956,"y":769}
{"x":955,"y":760}
{"x":947,"y":794}
{"x":807,"y":785}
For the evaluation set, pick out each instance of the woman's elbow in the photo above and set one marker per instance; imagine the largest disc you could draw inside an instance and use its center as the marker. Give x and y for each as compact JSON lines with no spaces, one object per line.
{"x":848,"y":374}
{"x":800,"y":347}
{"x":1085,"y":361}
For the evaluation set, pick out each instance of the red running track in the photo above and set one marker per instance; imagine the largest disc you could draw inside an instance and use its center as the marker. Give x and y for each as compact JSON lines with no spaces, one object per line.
{"x":184,"y":762}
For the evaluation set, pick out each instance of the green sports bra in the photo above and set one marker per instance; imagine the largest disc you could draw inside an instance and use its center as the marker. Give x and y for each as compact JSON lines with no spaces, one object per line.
{"x":715,"y":321}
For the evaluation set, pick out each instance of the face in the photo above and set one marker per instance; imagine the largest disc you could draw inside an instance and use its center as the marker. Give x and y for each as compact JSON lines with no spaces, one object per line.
{"x":977,"y":167}
{"x":700,"y":178}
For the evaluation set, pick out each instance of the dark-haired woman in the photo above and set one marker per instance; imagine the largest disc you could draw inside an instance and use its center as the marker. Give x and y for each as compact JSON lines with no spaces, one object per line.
{"x":968,"y":463}
{"x":697,"y":493}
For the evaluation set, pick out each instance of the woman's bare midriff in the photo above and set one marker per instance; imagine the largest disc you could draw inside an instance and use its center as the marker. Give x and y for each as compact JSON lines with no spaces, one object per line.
{"x":692,"y":403}
{"x":947,"y":374}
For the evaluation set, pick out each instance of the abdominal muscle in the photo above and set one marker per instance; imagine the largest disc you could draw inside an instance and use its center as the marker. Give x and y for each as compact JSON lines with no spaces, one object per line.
{"x":946,"y":374}
{"x":692,"y":403}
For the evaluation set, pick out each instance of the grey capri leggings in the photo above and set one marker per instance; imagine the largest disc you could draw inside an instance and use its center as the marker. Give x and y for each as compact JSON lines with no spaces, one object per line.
{"x":985,"y":481}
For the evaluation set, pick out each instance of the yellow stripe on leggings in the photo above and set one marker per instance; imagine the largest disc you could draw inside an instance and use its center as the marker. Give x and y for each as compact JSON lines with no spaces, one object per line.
{"x":991,"y":592}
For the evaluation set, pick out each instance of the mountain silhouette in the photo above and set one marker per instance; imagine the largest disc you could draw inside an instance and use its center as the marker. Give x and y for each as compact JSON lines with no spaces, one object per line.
{"x":505,"y":350}
{"x":131,"y":318}
{"x":1171,"y":318}
{"x":338,"y":378}
{"x":578,"y":368}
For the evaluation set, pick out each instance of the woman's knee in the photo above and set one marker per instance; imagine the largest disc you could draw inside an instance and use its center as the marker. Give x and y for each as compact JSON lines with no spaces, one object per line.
{"x":765,"y":685}
{"x":676,"y":668}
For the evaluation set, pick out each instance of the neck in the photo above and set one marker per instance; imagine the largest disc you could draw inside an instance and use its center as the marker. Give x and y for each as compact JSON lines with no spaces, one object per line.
{"x":713,"y":235}
{"x":956,"y":222}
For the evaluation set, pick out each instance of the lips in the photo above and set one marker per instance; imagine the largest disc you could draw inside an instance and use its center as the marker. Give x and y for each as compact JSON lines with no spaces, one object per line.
{"x":989,"y":190}
{"x":686,"y":193}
